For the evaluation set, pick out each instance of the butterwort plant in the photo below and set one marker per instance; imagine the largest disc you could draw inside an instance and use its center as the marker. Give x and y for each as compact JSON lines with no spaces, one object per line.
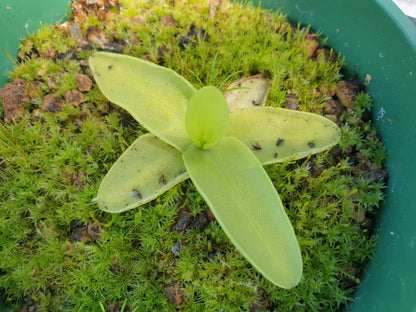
{"x":193,"y":134}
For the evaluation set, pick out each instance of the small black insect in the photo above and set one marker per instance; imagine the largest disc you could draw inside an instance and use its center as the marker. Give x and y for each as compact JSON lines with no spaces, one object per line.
{"x":275,"y":155}
{"x":280,"y":142}
{"x":255,"y":103}
{"x":311,"y":144}
{"x":110,"y":66}
{"x":256,"y":146}
{"x":135,"y":192}
{"x":162,"y":180}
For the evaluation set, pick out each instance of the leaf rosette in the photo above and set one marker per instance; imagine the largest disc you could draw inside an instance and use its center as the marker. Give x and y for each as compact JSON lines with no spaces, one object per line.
{"x":193,"y":134}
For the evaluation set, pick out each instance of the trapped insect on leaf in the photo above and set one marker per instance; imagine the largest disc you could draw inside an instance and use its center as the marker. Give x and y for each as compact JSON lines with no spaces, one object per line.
{"x":194,"y":135}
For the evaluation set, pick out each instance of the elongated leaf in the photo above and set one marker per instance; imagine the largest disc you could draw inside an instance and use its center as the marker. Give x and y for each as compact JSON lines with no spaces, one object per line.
{"x":155,"y":96}
{"x":145,"y":170}
{"x":247,"y":206}
{"x":207,"y":117}
{"x":277,"y":134}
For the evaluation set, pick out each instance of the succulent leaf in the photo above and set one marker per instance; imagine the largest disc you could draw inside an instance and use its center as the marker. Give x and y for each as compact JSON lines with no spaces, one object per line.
{"x":243,"y":199}
{"x":155,"y":96}
{"x":278,"y":134}
{"x":207,"y":117}
{"x":148,"y":168}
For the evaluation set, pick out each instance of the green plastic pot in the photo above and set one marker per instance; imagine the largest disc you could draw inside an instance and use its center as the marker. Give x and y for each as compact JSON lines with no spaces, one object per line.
{"x":375,"y":38}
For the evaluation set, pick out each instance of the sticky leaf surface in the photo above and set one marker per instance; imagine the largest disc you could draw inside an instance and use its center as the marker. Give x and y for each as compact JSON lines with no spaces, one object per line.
{"x":145,"y":170}
{"x":277,"y":134}
{"x":247,"y":206}
{"x":207,"y":117}
{"x":155,"y":96}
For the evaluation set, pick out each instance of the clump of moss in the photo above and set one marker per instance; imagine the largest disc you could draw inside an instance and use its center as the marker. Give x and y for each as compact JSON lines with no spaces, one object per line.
{"x":61,"y":253}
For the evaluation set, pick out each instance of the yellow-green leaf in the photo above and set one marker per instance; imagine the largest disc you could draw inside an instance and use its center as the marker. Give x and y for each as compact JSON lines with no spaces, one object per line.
{"x":155,"y":96}
{"x":207,"y":117}
{"x":247,"y":206}
{"x":277,"y":134}
{"x":145,"y":170}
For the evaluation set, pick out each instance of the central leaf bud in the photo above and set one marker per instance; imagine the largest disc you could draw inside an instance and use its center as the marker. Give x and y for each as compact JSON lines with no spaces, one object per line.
{"x":207,"y":117}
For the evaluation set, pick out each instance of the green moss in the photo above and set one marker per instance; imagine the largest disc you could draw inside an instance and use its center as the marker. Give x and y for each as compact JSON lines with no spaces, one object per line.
{"x":51,"y":170}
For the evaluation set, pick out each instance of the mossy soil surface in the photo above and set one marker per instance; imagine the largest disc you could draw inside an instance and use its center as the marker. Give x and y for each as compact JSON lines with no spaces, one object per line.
{"x":59,"y":252}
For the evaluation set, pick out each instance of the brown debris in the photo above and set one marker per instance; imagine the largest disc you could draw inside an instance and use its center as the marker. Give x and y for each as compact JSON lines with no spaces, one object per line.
{"x":333,"y":107}
{"x":84,"y":83}
{"x":323,"y":55}
{"x":349,"y":276}
{"x":34,"y":89}
{"x":13,"y":96}
{"x":52,"y":104}
{"x":174,"y":293}
{"x":310,"y":45}
{"x":97,"y":37}
{"x":74,"y":97}
{"x":213,"y":6}
{"x":51,"y":53}
{"x":168,"y":21}
{"x":80,"y":235}
{"x":259,"y":306}
{"x":138,"y":20}
{"x":347,"y":91}
{"x":79,"y":179}
{"x":94,"y":231}
{"x":292,"y":101}
{"x":117,"y":307}
{"x":199,"y":222}
{"x":183,"y":219}
{"x":326,"y":89}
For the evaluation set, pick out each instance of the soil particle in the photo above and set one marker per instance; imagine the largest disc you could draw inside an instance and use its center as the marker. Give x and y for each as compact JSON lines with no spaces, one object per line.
{"x":51,"y":53}
{"x":326,"y":89}
{"x":194,"y":35}
{"x":97,"y":37}
{"x":84,"y":83}
{"x":75,"y":31}
{"x":80,"y":235}
{"x":378,"y":176}
{"x":13,"y":96}
{"x":291,"y":101}
{"x":313,"y":169}
{"x":333,"y":107}
{"x":174,"y":293}
{"x":52,"y":82}
{"x":347,"y":91}
{"x":138,"y":20}
{"x":117,"y":307}
{"x":168,"y":21}
{"x":74,"y":97}
{"x":213,"y":6}
{"x":367,"y":227}
{"x":52,"y":104}
{"x":259,"y":306}
{"x":183,"y":219}
{"x":80,"y":179}
{"x":349,"y":276}
{"x":35,"y":89}
{"x":79,"y":14}
{"x":323,"y":55}
{"x":31,"y":306}
{"x":112,"y":47}
{"x":199,"y":222}
{"x":310,"y":45}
